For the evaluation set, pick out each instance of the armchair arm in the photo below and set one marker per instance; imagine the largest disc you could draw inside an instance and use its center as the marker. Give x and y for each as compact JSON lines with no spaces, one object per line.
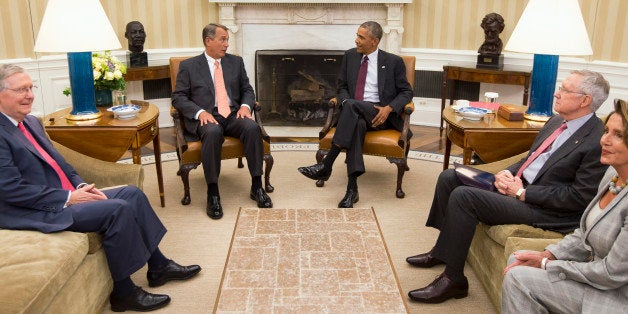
{"x":329,"y":123}
{"x":177,"y":118}
{"x":258,"y":118}
{"x":103,"y":173}
{"x":408,"y":109}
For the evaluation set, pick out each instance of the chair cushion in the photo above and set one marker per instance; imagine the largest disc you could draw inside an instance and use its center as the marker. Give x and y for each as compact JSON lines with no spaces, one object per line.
{"x":501,"y":233}
{"x":231,"y":148}
{"x":35,"y":265}
{"x":377,"y":143}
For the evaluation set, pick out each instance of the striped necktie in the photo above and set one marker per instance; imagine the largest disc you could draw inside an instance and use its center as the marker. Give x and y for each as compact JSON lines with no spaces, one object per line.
{"x":65,"y":182}
{"x":546,"y":144}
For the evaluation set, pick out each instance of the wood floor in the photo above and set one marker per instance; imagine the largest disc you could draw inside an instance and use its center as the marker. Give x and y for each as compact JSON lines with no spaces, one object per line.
{"x":425,"y":139}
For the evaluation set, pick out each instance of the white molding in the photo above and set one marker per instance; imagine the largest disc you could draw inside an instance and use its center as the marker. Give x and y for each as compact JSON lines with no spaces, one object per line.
{"x":51,"y":74}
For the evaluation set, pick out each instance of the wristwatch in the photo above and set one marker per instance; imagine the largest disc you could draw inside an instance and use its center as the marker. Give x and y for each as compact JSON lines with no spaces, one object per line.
{"x":519,"y":193}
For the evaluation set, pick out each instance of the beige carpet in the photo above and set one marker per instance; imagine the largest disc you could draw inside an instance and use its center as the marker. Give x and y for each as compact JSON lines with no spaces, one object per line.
{"x":194,"y":238}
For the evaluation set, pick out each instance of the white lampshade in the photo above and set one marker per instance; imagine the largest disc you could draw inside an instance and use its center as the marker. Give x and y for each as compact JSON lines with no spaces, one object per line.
{"x":552,"y":27}
{"x":75,"y":26}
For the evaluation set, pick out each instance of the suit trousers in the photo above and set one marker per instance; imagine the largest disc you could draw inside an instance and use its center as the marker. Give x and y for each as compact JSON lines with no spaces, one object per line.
{"x":457,"y":209}
{"x":353,"y":121}
{"x":131,"y":231}
{"x":213,"y":135}
{"x":530,"y":290}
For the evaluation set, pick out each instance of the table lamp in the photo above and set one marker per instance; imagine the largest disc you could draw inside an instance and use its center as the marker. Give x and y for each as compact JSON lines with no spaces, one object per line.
{"x":77,"y":27}
{"x":548,"y":28}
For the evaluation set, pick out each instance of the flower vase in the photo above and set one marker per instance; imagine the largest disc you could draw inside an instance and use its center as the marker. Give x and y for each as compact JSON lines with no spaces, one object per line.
{"x":103,"y":97}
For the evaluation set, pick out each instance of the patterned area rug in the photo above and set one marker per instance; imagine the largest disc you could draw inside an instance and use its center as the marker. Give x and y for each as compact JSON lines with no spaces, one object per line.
{"x":308,"y":261}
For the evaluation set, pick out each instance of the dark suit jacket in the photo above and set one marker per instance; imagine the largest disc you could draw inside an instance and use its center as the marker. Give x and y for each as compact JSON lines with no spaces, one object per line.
{"x":195,"y":89}
{"x":394,"y":89}
{"x":31,"y":196}
{"x":568,"y":180}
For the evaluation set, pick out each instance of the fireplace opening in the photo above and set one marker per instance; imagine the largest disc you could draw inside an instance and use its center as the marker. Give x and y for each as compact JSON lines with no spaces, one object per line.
{"x":294,"y":86}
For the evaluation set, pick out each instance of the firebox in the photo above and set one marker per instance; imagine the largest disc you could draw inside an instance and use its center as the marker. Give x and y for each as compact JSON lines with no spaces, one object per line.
{"x":294,"y":86}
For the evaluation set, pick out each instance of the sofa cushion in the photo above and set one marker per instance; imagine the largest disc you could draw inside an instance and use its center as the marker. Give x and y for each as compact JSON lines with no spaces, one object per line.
{"x":95,"y":242}
{"x":514,"y":244}
{"x":500,"y":233}
{"x":35,"y":266}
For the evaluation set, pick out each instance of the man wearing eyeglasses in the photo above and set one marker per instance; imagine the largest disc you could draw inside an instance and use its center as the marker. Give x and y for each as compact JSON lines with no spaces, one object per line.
{"x":552,"y":185}
{"x":40,"y":191}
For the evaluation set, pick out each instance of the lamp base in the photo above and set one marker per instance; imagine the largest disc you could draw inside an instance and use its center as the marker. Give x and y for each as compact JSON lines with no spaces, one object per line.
{"x":536,"y":117}
{"x":83,"y":117}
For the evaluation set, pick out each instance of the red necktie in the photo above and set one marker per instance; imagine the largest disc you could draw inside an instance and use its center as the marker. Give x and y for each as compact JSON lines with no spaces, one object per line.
{"x":359,"y":86}
{"x":65,"y":182}
{"x":222,"y":99}
{"x":547,"y":143}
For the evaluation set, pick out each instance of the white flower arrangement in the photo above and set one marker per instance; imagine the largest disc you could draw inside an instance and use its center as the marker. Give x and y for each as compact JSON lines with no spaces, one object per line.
{"x":108,"y":72}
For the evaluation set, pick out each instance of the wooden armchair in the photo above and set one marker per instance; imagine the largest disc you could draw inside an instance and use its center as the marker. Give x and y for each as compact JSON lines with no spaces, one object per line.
{"x":392,"y":144}
{"x":189,"y":153}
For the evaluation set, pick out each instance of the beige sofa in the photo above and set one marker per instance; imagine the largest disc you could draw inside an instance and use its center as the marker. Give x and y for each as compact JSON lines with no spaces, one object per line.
{"x":492,"y":245}
{"x":64,"y":272}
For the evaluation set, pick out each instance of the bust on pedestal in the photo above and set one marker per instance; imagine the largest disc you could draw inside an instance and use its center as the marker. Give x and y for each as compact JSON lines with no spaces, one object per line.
{"x":490,"y":52}
{"x":136,"y":56}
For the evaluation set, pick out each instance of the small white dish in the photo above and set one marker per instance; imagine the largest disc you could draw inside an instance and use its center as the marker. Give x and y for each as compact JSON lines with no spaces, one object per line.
{"x":460,"y":103}
{"x":472,"y":113}
{"x":125,"y":111}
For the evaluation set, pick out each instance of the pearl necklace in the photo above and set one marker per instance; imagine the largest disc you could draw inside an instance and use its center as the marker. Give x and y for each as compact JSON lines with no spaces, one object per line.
{"x":615,"y":188}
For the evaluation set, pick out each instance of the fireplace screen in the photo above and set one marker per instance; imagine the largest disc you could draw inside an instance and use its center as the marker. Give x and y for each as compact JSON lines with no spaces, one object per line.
{"x":294,"y":86}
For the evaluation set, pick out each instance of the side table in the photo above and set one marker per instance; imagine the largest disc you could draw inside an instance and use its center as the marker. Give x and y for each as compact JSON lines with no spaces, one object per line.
{"x":458,"y":73}
{"x":107,"y":138}
{"x":492,"y":138}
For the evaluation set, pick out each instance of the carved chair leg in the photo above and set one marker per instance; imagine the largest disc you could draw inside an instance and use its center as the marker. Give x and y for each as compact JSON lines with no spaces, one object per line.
{"x":270,"y":161}
{"x":240,"y":164}
{"x":406,"y":157}
{"x":320,"y":155}
{"x":401,"y":170}
{"x":184,"y":173}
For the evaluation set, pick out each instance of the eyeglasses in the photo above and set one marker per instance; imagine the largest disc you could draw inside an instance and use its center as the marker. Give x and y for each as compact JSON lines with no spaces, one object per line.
{"x":565,"y":91}
{"x":23,"y":90}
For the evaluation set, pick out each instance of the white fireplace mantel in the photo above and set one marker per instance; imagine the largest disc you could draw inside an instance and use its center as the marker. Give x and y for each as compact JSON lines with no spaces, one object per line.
{"x":237,"y":14}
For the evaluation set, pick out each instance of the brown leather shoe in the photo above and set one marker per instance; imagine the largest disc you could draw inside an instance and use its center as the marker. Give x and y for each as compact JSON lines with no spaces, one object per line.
{"x":441,"y":289}
{"x":425,"y":260}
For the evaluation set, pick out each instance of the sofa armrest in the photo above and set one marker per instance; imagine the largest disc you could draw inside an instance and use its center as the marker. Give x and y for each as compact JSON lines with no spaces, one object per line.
{"x":497,"y":166}
{"x":514,"y":244}
{"x":102,"y":173}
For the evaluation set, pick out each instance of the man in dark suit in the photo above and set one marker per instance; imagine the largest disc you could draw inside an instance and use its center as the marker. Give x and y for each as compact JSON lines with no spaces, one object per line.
{"x":206,"y":84}
{"x":40,"y":191}
{"x":554,"y":187}
{"x":372,"y":91}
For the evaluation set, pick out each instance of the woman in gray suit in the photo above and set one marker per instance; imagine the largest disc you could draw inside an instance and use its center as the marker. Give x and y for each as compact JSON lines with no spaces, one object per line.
{"x":587,"y":271}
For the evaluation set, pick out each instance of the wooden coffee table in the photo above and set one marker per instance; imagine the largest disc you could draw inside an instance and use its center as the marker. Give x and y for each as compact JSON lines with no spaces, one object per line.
{"x":492,"y":138}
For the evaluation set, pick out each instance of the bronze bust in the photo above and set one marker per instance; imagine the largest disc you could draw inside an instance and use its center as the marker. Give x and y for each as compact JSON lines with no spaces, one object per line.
{"x":493,"y":25}
{"x":135,"y":35}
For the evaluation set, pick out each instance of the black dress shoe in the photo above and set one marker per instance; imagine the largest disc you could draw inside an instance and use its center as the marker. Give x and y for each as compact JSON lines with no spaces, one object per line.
{"x":441,"y":289}
{"x":425,"y":260}
{"x":315,"y":172}
{"x":139,"y":300}
{"x":172,"y":271}
{"x":262,"y":199}
{"x":351,"y":197}
{"x":214,"y":209}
